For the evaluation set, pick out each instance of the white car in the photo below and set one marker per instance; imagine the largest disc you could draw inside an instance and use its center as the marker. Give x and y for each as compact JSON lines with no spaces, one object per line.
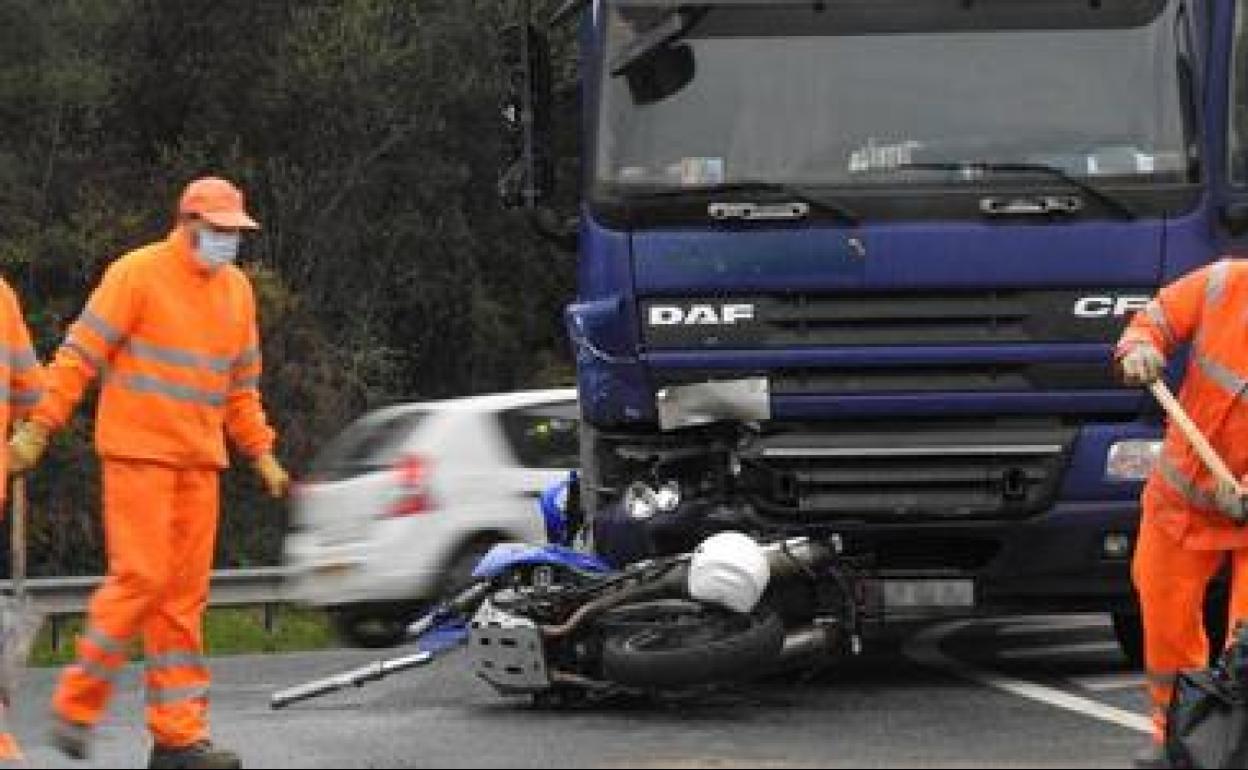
{"x":404,"y":501}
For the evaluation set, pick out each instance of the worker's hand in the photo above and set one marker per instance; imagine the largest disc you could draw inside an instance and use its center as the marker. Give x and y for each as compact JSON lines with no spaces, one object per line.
{"x":30,"y":440}
{"x":1143,"y":364}
{"x":1231,"y":501}
{"x":274,"y":477}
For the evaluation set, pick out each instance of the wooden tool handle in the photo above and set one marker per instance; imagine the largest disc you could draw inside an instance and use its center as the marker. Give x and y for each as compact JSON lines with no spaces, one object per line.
{"x":1178,"y":415}
{"x":17,"y":538}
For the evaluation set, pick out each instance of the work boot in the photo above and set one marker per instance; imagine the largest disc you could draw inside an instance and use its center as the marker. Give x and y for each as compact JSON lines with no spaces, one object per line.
{"x":1153,"y":758}
{"x":72,"y":739}
{"x":198,"y":756}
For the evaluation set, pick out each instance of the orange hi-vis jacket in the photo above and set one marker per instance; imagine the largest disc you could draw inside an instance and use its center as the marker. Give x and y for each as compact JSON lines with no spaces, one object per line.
{"x":21,"y":376}
{"x":178,"y":351}
{"x":1208,"y":308}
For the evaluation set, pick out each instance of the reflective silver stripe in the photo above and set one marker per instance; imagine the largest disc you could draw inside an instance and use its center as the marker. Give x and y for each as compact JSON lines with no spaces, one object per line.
{"x":247,"y":383}
{"x":105,"y":642}
{"x":21,"y":359}
{"x":1183,"y":485}
{"x":176,"y":356}
{"x":1229,"y":380}
{"x":27,"y":397}
{"x":248,"y":357}
{"x":100,"y":327}
{"x":83,"y":353}
{"x":1217,"y":281}
{"x":169,"y":660}
{"x":1157,"y":315}
{"x":165,"y":696}
{"x":143,"y":383}
{"x":21,"y":397}
{"x":97,"y":670}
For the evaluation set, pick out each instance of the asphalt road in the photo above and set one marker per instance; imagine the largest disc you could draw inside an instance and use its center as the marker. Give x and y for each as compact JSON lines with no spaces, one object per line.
{"x":1001,"y":693}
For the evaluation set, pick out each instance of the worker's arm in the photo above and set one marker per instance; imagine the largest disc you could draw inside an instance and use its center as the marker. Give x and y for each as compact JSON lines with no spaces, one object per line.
{"x":93,"y":340}
{"x":245,"y":418}
{"x":26,"y":378}
{"x":1172,"y":318}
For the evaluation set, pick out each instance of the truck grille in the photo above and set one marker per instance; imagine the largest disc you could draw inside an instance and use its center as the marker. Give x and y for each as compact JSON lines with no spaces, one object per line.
{"x":895,"y":474}
{"x":978,"y":378}
{"x":909,"y":318}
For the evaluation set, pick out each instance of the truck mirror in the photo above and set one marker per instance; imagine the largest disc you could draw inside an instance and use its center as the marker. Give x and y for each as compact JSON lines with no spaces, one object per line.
{"x":661,"y":74}
{"x":527,"y":175}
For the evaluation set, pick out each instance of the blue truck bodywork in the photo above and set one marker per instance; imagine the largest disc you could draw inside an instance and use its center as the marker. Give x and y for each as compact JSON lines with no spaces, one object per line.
{"x":1047,"y":552}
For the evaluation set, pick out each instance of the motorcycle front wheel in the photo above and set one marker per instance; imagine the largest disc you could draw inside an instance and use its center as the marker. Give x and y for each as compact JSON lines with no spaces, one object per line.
{"x":666,"y":645}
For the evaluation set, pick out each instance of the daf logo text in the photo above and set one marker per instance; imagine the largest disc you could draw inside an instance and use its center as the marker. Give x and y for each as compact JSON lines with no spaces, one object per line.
{"x":700,"y":315}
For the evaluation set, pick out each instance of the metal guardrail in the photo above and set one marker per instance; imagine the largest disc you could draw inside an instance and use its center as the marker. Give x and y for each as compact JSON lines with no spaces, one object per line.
{"x":60,"y":597}
{"x":230,"y":588}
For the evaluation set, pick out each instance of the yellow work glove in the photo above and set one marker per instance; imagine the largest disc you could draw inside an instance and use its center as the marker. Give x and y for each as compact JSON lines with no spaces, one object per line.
{"x":1230,"y":501}
{"x":29,"y":441}
{"x":274,"y":477}
{"x":1142,"y":364}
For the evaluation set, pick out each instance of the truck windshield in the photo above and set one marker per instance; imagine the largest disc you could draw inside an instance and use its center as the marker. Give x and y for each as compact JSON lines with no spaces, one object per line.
{"x":858,"y":93}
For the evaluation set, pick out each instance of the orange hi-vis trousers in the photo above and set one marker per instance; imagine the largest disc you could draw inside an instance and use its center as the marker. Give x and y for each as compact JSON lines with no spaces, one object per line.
{"x":1171,"y":581}
{"x":160,"y":527}
{"x":10,"y":752}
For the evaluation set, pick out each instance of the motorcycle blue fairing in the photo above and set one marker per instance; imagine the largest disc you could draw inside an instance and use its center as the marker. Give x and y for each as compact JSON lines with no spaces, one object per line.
{"x":507,"y":556}
{"x":553,"y":505}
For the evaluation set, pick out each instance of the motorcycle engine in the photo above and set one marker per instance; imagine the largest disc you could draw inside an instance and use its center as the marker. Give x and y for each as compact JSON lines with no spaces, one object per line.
{"x":507,"y":651}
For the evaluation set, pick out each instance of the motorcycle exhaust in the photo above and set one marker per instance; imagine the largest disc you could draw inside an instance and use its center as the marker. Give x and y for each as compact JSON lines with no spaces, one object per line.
{"x":817,"y":644}
{"x":808,"y":643}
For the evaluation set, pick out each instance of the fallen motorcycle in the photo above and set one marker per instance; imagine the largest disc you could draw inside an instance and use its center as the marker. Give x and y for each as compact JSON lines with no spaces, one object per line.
{"x":562,"y":626}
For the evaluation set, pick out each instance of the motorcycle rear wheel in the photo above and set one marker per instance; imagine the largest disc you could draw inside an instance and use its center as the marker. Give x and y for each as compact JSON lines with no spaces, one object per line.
{"x":662,"y":646}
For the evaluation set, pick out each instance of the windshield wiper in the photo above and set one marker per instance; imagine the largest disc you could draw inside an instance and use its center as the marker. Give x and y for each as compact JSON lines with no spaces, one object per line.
{"x":1057,"y":172}
{"x":675,"y":26}
{"x":813,"y":200}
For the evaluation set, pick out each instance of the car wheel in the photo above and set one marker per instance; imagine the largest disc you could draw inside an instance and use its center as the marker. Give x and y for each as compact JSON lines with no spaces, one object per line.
{"x":372,"y":627}
{"x":458,"y":574}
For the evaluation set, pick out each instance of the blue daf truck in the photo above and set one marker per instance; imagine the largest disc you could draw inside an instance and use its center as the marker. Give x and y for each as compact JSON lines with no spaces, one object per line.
{"x":896,"y":241}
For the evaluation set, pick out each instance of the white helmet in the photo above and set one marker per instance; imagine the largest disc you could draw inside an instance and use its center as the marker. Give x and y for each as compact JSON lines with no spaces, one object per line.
{"x":729,"y":570}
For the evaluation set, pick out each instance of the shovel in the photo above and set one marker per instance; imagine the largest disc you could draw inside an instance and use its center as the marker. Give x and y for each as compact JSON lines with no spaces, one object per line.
{"x":1212,"y":460}
{"x":19,"y":620}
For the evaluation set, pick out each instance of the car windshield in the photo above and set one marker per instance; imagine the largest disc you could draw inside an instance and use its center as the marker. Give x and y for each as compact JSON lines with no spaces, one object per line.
{"x":851,"y":93}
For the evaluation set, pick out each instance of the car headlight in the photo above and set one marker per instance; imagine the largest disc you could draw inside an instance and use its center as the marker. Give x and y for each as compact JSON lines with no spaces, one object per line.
{"x":1132,"y":460}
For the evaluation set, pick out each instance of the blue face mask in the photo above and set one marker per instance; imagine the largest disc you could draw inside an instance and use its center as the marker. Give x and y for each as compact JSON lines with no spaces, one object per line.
{"x":217,"y":248}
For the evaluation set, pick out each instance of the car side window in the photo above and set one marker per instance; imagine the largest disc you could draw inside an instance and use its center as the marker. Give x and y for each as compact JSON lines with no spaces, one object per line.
{"x":365,"y":445}
{"x":544,"y":436}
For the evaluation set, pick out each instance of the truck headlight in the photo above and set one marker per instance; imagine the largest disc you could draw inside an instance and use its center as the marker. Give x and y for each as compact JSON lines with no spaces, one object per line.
{"x":640,"y":501}
{"x":644,"y":502}
{"x":1132,"y":460}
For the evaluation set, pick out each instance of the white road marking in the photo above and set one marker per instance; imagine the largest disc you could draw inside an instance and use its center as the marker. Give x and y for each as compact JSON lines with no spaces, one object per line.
{"x":1059,"y":651}
{"x":1041,"y":625}
{"x":925,"y":648}
{"x":1120,"y":680}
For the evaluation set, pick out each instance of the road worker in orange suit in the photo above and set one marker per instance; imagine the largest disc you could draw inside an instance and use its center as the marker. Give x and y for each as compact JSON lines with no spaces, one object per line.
{"x":21,"y":386}
{"x":172,"y":329}
{"x":1187,"y":532}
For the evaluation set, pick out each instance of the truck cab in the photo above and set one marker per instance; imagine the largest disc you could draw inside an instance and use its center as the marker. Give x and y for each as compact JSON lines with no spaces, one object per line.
{"x":898,"y":240}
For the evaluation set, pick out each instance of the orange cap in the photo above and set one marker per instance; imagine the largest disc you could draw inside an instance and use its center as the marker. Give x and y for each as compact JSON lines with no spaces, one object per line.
{"x":218,"y":202}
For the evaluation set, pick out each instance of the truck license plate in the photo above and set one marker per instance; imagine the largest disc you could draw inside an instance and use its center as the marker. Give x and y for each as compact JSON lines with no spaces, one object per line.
{"x":932,"y":594}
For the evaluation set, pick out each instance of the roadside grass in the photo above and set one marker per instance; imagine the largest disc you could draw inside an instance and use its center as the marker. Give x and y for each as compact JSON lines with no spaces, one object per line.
{"x":227,"y":631}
